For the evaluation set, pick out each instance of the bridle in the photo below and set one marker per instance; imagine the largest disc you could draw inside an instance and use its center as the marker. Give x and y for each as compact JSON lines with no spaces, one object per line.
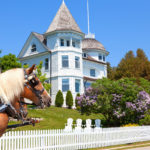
{"x":31,"y":83}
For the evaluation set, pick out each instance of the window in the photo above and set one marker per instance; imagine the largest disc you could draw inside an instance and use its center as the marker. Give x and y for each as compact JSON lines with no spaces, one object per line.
{"x":84,"y":55}
{"x":62,"y":43}
{"x":103,"y":58}
{"x":92,"y":72}
{"x":68,"y":43}
{"x":87,"y":85}
{"x":46,"y":64}
{"x":65,"y":62}
{"x":65,"y":85}
{"x":73,"y":43}
{"x":100,"y":57}
{"x":77,"y":85}
{"x":33,"y":48}
{"x":77,"y":62}
{"x":47,"y":81}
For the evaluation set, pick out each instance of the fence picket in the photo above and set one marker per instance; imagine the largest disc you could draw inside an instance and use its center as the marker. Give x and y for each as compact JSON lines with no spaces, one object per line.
{"x":61,"y":140}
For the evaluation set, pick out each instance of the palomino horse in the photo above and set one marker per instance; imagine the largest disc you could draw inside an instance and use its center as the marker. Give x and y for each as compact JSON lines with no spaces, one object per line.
{"x":17,"y":83}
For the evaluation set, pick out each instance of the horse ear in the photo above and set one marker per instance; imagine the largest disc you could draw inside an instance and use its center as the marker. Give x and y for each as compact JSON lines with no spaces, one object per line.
{"x":30,"y":70}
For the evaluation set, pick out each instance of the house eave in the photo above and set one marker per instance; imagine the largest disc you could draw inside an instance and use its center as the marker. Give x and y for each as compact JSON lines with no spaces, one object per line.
{"x":89,"y":78}
{"x":62,"y":31}
{"x":95,"y":61}
{"x":34,"y":55}
{"x":104,"y":51}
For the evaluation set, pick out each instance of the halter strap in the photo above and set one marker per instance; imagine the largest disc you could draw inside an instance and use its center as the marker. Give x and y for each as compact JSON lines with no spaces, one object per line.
{"x":38,"y":93}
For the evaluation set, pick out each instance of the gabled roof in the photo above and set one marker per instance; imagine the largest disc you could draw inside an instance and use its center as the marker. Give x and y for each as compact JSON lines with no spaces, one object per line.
{"x":40,"y":38}
{"x":63,"y":21}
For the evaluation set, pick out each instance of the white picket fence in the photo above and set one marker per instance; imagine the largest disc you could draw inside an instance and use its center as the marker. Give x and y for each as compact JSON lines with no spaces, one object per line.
{"x":60,"y":140}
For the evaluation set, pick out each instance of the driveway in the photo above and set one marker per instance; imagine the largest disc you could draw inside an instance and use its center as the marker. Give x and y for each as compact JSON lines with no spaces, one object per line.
{"x":140,"y":148}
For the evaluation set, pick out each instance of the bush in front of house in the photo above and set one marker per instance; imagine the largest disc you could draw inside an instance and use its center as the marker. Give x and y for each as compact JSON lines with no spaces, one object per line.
{"x":76,"y":100}
{"x":69,"y":99}
{"x":59,"y":100}
{"x":121,"y":102}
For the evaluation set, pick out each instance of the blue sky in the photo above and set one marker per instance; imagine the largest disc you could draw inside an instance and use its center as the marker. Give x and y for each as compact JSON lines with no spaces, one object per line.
{"x":120,"y":25}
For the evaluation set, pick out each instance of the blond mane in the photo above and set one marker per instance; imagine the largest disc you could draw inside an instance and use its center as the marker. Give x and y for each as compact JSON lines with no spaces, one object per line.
{"x":11,"y":84}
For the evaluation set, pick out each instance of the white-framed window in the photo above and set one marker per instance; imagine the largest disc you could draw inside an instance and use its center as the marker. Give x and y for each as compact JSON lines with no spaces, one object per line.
{"x":77,"y":85}
{"x":65,"y":61}
{"x":77,"y":62}
{"x":68,"y":43}
{"x":87,"y":84}
{"x":73,"y":43}
{"x":103,"y":58}
{"x":33,"y":48}
{"x":62,"y":42}
{"x":100,"y":57}
{"x":47,"y":81}
{"x":92,"y":72}
{"x":65,"y":85}
{"x":84,"y":55}
{"x":46,"y":63}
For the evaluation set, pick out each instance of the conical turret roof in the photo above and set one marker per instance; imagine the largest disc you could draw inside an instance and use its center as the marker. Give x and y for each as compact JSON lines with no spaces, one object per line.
{"x":63,"y":21}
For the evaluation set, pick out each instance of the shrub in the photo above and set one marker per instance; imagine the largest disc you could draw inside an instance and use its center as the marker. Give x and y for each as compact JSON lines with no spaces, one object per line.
{"x":76,"y":101}
{"x":121,"y":102}
{"x":130,"y":125}
{"x":69,"y":99}
{"x":146,"y":119}
{"x":59,"y":100}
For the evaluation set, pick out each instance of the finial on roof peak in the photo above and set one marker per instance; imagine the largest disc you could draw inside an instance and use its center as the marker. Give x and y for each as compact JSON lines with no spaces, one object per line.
{"x":90,"y":35}
{"x":63,"y":2}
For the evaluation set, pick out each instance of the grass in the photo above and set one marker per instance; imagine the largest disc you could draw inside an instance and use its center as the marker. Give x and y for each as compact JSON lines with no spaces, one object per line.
{"x":54,"y":118}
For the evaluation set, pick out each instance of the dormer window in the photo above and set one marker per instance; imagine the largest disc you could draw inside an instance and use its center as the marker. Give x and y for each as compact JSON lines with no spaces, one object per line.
{"x":62,"y":43}
{"x":100,"y":57}
{"x":84,"y":55}
{"x":103,"y":58}
{"x":33,"y":48}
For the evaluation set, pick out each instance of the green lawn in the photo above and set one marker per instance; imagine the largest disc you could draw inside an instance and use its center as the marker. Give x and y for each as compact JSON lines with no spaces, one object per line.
{"x":54,"y":118}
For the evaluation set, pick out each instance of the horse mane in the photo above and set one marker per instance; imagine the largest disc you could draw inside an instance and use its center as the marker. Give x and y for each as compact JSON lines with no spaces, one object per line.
{"x":11,"y":84}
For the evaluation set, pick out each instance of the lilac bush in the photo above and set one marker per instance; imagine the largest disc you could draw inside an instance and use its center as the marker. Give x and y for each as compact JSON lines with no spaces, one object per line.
{"x":121,"y":101}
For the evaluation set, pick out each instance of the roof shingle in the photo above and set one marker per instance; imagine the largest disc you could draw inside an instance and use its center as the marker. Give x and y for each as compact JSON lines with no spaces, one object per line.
{"x":91,"y":43}
{"x":63,"y":21}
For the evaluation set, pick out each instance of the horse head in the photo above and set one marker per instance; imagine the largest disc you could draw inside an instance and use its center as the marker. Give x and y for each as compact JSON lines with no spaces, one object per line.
{"x":34,"y":90}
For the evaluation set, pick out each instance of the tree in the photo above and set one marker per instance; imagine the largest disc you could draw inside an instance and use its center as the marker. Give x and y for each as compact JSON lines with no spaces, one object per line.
{"x":8,"y":62}
{"x":110,"y":71}
{"x":43,"y":77}
{"x":133,"y":66}
{"x":59,"y":100}
{"x":126,"y":66}
{"x":69,"y":99}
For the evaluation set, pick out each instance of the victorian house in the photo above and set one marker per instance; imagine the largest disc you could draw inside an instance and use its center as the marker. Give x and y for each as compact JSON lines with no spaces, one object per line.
{"x":71,"y":59}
